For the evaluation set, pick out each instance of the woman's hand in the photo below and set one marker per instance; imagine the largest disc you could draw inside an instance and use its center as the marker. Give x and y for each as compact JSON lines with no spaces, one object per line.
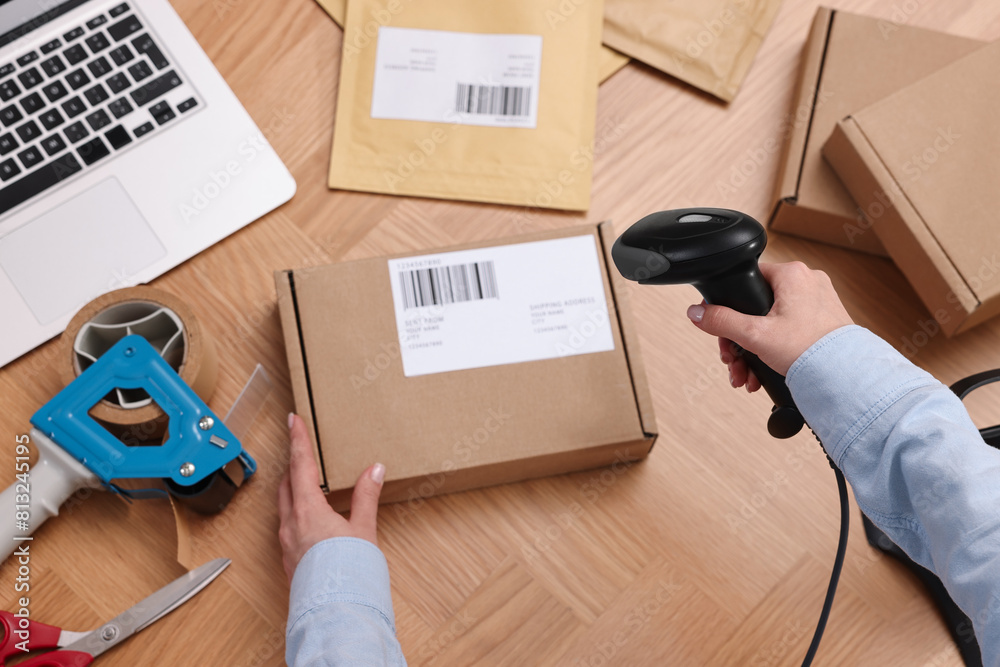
{"x":306,"y":517}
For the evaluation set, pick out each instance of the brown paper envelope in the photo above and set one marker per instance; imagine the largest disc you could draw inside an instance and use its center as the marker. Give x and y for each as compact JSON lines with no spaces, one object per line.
{"x":547,"y":166}
{"x":708,"y":43}
{"x":609,"y":60}
{"x":336,"y":9}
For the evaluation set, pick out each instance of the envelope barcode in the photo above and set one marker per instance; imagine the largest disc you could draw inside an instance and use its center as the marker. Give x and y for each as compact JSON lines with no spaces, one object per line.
{"x":493,"y":100}
{"x":448,"y":284}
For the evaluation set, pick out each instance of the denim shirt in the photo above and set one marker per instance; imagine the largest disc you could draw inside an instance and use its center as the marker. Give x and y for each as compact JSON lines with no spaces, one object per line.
{"x":340,"y":611}
{"x":917,"y":464}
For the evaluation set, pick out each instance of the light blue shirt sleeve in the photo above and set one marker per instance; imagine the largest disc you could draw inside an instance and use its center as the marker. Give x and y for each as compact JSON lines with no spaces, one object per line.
{"x":340,"y":608}
{"x":917,"y":464}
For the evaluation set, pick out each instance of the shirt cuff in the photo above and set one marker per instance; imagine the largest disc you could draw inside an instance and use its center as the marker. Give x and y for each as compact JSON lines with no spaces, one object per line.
{"x":846,"y":380}
{"x":341,"y":569}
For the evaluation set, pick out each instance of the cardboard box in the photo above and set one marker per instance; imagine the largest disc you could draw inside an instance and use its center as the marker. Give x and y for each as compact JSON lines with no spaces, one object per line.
{"x":848,"y":62}
{"x":365,"y":399}
{"x":924,"y":165}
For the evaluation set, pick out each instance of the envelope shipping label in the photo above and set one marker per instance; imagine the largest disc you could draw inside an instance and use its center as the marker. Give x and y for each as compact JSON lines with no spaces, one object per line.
{"x":456,"y":77}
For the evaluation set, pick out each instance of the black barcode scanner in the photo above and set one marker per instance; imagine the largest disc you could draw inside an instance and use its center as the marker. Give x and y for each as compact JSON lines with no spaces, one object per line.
{"x":715,"y":250}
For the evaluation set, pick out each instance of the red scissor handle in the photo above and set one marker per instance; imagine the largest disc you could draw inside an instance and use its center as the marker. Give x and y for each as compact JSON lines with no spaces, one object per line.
{"x":60,"y":659}
{"x":17,"y":630}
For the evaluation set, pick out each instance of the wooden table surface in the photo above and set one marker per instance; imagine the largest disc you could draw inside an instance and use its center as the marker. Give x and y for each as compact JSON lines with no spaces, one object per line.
{"x":714,"y":551}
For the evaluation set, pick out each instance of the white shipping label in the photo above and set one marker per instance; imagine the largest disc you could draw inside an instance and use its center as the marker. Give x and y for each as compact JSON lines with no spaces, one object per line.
{"x":500,"y":305}
{"x":457,"y":77}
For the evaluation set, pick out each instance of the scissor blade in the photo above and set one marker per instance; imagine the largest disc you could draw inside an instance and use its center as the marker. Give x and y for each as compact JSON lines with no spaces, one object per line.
{"x":150,"y":610}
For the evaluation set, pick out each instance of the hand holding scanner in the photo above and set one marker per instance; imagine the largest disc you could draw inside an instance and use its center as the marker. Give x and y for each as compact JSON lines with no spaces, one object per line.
{"x":716,"y":250}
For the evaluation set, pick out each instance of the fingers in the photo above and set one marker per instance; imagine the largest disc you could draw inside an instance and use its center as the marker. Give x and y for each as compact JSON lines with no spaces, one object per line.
{"x":285,"y":499}
{"x":302,"y":468}
{"x":737,"y":374}
{"x":364,"y":501}
{"x":724,"y":322}
{"x":770,"y":271}
{"x":776,"y":273}
{"x":726,"y":352}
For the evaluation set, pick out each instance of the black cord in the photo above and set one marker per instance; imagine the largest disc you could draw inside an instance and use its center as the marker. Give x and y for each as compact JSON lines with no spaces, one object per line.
{"x":838,"y":565}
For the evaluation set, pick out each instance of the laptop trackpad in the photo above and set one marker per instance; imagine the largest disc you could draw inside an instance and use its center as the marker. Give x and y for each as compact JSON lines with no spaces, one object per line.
{"x":95,"y":242}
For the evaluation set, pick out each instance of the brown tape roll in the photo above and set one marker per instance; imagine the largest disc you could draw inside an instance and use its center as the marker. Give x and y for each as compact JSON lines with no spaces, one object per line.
{"x":169,"y":325}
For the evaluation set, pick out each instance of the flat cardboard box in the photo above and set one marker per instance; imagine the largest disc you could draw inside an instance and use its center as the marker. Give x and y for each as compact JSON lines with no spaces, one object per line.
{"x":449,"y":431}
{"x":924,"y":165}
{"x":848,"y":62}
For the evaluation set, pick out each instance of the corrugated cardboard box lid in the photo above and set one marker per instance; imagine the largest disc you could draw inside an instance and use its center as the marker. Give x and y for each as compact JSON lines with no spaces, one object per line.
{"x":365,"y":410}
{"x":849,"y":62}
{"x":933,"y":149}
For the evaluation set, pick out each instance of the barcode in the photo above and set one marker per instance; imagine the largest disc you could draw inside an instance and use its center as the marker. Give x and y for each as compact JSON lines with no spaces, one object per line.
{"x":448,"y":284}
{"x":493,"y":100}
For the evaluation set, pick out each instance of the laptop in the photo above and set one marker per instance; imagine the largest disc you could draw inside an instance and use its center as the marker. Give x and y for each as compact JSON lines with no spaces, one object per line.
{"x":122,"y":153}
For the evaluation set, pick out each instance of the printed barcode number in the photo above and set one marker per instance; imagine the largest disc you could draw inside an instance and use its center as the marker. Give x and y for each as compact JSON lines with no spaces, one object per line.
{"x":448,"y":284}
{"x":493,"y":100}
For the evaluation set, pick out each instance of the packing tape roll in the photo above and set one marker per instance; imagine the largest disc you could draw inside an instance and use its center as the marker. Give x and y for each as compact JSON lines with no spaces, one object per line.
{"x":168,"y":324}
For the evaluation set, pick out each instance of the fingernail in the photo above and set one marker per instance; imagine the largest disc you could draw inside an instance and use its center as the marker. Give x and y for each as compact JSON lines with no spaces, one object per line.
{"x":378,"y":473}
{"x":695,"y":313}
{"x":291,"y":420}
{"x":731,"y":380}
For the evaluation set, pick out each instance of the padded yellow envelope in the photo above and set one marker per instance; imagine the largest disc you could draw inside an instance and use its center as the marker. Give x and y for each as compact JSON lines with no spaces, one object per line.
{"x":469,"y":99}
{"x":708,"y":43}
{"x":609,"y":61}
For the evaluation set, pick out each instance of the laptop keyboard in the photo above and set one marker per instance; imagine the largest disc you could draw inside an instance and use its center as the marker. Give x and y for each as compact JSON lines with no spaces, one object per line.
{"x":78,"y":99}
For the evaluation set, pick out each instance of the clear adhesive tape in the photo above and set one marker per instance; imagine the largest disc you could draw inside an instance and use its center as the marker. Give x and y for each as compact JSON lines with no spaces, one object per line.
{"x":172,"y":329}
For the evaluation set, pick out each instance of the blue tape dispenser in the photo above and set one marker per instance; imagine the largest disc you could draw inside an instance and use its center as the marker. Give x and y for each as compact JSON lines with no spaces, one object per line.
{"x":202,"y":462}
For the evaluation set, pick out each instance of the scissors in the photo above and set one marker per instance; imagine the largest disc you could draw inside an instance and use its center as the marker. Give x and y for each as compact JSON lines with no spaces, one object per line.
{"x":78,"y":649}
